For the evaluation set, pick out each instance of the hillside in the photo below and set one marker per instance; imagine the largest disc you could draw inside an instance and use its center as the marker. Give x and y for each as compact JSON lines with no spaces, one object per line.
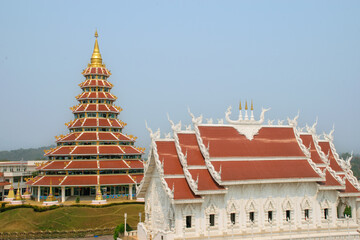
{"x":24,"y":154}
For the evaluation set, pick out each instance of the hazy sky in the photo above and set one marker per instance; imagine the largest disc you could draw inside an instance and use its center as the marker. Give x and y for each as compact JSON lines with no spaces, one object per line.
{"x":166,"y":56}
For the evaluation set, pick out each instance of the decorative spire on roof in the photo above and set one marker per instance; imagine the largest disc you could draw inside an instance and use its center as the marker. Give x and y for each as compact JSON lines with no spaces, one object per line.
{"x":252,"y":111}
{"x":246,"y":111}
{"x":96,"y":60}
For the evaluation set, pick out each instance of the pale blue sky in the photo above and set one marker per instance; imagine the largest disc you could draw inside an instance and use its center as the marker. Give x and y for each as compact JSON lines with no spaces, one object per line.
{"x":166,"y":56}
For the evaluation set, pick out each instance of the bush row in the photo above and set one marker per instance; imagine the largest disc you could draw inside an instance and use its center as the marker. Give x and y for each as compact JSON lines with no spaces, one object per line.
{"x":5,"y":207}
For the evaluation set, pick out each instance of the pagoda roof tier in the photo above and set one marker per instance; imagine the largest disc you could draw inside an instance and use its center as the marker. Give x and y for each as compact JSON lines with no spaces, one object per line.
{"x":95,"y":136}
{"x":93,"y":150}
{"x":94,"y":107}
{"x":96,"y":122}
{"x":96,"y":95}
{"x":96,"y":83}
{"x":84,"y":180}
{"x":59,"y":165}
{"x":96,"y":71}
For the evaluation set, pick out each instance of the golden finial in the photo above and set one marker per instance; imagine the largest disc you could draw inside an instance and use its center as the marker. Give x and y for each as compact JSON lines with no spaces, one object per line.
{"x":240,"y":108}
{"x":96,"y":60}
{"x":246,"y":107}
{"x":252,"y":106}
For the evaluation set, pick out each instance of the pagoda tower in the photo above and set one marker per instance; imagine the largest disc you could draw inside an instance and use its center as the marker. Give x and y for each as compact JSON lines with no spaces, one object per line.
{"x":95,"y":154}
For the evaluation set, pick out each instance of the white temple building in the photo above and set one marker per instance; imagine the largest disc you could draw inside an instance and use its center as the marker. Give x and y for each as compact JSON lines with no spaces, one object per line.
{"x":247,"y":180}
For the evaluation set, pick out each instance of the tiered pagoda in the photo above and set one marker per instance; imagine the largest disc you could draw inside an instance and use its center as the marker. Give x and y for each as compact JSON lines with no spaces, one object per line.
{"x":95,"y":157}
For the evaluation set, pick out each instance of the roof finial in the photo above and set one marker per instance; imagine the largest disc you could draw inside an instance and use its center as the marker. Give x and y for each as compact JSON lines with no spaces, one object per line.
{"x":252,"y":106}
{"x":246,"y":107}
{"x":96,"y":60}
{"x":240,"y":108}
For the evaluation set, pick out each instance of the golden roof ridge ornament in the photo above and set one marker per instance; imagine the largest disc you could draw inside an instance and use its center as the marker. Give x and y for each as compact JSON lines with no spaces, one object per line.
{"x":96,"y":60}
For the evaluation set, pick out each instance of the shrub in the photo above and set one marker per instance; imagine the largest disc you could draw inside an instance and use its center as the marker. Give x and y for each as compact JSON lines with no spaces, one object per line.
{"x":77,"y":200}
{"x":347,"y":211}
{"x":121,"y":229}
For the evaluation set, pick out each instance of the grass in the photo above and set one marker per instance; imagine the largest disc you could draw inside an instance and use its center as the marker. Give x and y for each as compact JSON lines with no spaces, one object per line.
{"x":69,"y":218}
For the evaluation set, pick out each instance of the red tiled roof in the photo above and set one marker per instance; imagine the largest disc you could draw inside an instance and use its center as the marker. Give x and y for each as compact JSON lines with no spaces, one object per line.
{"x":325,"y":147}
{"x":110,"y":150}
{"x":167,"y":153}
{"x":189,"y":146}
{"x":113,"y":164}
{"x":269,"y":142}
{"x":181,"y":187}
{"x":206,"y":182}
{"x":55,"y":165}
{"x":95,"y":83}
{"x":270,"y":169}
{"x":307,"y":141}
{"x":350,"y":188}
{"x":137,"y":177}
{"x":115,"y":179}
{"x":85,"y":150}
{"x":45,"y":180}
{"x":4,"y":183}
{"x":330,"y":180}
{"x":136,"y":164}
{"x":82,"y":165}
{"x":85,"y":136}
{"x":80,"y":181}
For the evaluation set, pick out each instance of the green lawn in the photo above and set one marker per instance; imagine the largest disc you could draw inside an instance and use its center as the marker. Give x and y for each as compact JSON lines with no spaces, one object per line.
{"x":69,"y":218}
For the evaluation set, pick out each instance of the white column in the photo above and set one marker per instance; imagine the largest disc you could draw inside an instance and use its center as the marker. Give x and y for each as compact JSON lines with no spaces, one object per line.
{"x":62,"y":193}
{"x":38,"y":195}
{"x":131,"y":191}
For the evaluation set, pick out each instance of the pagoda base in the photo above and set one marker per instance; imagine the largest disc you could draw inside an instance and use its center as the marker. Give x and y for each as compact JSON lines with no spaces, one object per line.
{"x":17,"y":202}
{"x":27,"y":196}
{"x":140,"y":199}
{"x":50,"y":203}
{"x":8,"y":199}
{"x":98,"y":202}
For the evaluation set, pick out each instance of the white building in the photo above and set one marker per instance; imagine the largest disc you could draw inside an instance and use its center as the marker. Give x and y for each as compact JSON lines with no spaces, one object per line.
{"x":247,"y":180}
{"x":15,"y":172}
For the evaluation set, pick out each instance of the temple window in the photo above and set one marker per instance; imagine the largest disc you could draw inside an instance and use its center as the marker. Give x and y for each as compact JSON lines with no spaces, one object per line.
{"x":288,"y":215}
{"x":93,"y":77}
{"x":252,"y":217}
{"x":307,"y":214}
{"x":270,"y":216}
{"x":188,"y":221}
{"x":326,"y":213}
{"x":212,"y":220}
{"x":233,"y":218}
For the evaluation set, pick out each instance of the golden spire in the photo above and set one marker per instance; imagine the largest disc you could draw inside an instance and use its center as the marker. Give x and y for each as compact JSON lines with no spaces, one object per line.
{"x":18,"y":196}
{"x":50,"y":197}
{"x":240,"y":106}
{"x":99,"y":196}
{"x":252,"y":106}
{"x":11,"y":194}
{"x":246,"y":108}
{"x":96,"y":60}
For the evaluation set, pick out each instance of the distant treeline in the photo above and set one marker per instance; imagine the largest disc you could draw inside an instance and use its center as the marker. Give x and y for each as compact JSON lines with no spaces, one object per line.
{"x":24,"y":154}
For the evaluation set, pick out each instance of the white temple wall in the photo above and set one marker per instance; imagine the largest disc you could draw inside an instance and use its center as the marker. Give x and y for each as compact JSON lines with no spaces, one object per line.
{"x":259,"y":198}
{"x":158,"y":208}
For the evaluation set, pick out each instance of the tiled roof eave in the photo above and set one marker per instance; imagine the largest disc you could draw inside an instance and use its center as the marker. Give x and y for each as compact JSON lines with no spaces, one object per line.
{"x":274,"y":180}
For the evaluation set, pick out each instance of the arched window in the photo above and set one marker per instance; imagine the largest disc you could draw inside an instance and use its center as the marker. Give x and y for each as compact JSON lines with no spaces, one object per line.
{"x":270,"y":212}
